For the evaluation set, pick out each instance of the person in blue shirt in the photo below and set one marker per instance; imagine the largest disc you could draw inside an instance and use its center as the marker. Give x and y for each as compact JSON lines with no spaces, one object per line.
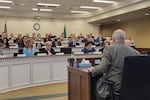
{"x":88,"y":48}
{"x":28,"y":50}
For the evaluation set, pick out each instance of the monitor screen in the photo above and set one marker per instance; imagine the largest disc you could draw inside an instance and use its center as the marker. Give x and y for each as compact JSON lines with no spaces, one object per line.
{"x":66,"y":50}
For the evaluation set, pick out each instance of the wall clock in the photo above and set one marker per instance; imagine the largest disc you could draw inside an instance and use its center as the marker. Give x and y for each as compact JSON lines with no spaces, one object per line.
{"x":36,"y":26}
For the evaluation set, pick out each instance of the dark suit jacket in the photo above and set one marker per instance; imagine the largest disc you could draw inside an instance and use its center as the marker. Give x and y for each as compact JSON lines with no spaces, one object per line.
{"x":45,"y":51}
{"x":113,"y":62}
{"x":56,"y":43}
{"x":70,"y":44}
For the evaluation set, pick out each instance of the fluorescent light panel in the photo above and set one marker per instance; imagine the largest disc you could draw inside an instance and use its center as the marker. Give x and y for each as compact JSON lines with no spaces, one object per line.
{"x":4,"y":7}
{"x":36,"y":9}
{"x":46,"y":4}
{"x":45,"y":9}
{"x":104,"y":1}
{"x":82,"y":12}
{"x":5,"y":1}
{"x":90,"y":7}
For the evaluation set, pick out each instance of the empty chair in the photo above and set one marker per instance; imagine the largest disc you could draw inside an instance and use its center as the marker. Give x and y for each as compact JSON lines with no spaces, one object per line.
{"x":136,"y":78}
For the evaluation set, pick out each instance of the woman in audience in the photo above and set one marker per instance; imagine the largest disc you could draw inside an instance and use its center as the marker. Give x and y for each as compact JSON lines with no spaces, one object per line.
{"x":28,"y":50}
{"x":5,"y":43}
{"x":24,"y":41}
{"x":88,"y":48}
{"x":49,"y":50}
{"x":47,"y":37}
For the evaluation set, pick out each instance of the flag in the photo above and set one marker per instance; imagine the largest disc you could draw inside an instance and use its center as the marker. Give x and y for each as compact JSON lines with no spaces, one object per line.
{"x":5,"y":27}
{"x":65,"y":34}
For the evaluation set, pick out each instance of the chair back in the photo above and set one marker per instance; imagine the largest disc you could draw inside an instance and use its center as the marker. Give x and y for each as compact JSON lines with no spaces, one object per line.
{"x":136,"y":78}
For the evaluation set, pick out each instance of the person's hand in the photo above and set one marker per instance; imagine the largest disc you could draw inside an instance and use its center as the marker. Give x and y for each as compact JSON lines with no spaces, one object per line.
{"x":90,"y":69}
{"x":49,"y":53}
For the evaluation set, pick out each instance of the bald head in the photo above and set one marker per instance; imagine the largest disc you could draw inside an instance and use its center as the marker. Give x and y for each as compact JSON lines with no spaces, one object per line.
{"x":119,"y":35}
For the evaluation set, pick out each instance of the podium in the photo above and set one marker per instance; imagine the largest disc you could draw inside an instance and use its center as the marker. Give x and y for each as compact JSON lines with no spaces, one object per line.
{"x":79,"y":84}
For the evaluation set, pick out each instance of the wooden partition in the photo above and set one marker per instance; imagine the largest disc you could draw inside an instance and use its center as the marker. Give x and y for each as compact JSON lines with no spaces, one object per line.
{"x":79,"y":84}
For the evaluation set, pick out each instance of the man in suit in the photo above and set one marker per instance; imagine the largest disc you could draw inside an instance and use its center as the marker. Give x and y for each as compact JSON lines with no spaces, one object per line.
{"x":113,"y":61}
{"x":100,"y":40}
{"x":56,"y":42}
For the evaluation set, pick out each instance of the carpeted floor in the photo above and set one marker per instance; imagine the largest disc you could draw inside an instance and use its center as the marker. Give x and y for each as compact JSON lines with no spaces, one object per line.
{"x":57,"y":91}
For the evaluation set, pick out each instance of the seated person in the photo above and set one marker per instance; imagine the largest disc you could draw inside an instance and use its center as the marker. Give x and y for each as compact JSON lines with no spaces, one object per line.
{"x":88,"y":48}
{"x":48,"y":50}
{"x":5,"y":43}
{"x":106,"y":44}
{"x":73,"y":42}
{"x":100,"y":40}
{"x":56,"y":42}
{"x":129,"y":43}
{"x":28,"y":50}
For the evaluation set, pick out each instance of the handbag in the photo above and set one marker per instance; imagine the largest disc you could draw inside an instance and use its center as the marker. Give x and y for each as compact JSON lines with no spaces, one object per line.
{"x":104,"y":89}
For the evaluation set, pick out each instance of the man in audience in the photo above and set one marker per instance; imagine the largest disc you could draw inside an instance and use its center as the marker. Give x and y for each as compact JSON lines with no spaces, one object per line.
{"x":113,"y":60}
{"x":128,"y":43}
{"x":100,"y":40}
{"x":56,"y":42}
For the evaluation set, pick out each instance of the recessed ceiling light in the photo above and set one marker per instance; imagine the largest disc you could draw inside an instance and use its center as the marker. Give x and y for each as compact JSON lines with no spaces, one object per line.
{"x":46,"y":4}
{"x":104,"y":1}
{"x":5,"y":7}
{"x":146,"y":14}
{"x":5,"y":1}
{"x":90,"y":7}
{"x":45,"y":9}
{"x":81,"y":12}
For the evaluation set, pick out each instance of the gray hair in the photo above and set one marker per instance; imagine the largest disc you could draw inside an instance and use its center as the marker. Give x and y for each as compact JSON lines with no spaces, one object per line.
{"x":119,"y":35}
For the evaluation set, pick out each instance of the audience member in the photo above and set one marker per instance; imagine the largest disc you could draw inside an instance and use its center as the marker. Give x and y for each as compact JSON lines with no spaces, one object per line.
{"x":129,"y":43}
{"x":5,"y":43}
{"x":73,"y":41}
{"x":56,"y":42}
{"x":28,"y":50}
{"x":47,"y":37}
{"x":113,"y":60}
{"x":19,"y":41}
{"x":49,"y":50}
{"x":12,"y":38}
{"x":80,"y":36}
{"x":106,"y":44}
{"x":88,"y":48}
{"x":100,"y":40}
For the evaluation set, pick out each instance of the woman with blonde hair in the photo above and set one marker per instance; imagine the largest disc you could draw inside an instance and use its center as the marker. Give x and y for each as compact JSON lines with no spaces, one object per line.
{"x":49,"y":50}
{"x":28,"y":50}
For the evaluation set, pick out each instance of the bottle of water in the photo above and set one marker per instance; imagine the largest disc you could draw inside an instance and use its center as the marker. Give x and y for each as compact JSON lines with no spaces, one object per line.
{"x":75,"y":63}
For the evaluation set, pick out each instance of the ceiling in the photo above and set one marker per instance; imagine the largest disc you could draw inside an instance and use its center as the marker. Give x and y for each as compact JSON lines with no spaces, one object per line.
{"x":23,"y":8}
